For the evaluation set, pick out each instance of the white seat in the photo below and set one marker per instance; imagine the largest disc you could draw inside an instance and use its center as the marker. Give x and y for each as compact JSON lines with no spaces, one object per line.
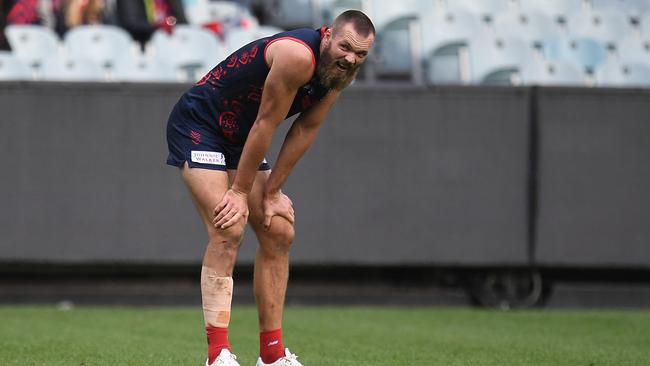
{"x":33,"y":44}
{"x":266,"y":30}
{"x":386,"y":12}
{"x":392,"y":51}
{"x":552,"y":73}
{"x":238,"y":37}
{"x":496,"y":59}
{"x":201,"y":12}
{"x":645,"y":26}
{"x":65,"y":69}
{"x":145,"y":70}
{"x":558,"y":10}
{"x":632,"y":8}
{"x":102,"y":44}
{"x":586,"y":52}
{"x":532,"y":27}
{"x":487,"y":10}
{"x":11,"y":68}
{"x":191,"y":49}
{"x":608,"y":27}
{"x":634,"y":50}
{"x":619,"y":74}
{"x":335,"y":7}
{"x":445,"y":37}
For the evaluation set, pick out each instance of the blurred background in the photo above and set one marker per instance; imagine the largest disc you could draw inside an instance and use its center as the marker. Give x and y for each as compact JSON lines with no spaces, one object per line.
{"x":491,"y":152}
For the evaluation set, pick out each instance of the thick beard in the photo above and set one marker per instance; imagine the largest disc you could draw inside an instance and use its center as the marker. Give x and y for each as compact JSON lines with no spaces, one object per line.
{"x":327,"y":69}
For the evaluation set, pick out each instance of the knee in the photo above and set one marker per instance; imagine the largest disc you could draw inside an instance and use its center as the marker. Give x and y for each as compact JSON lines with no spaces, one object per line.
{"x":280,"y":235}
{"x":226,"y":242}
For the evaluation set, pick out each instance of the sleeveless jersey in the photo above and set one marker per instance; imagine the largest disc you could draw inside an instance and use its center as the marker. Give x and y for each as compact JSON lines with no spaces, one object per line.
{"x":229,"y":96}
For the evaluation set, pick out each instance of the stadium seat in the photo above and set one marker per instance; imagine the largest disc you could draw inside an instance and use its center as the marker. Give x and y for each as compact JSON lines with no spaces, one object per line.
{"x":387,"y":12}
{"x":533,"y":27}
{"x":487,"y":10}
{"x":633,"y":8}
{"x":65,"y":69}
{"x":230,"y":13}
{"x":495,"y":60}
{"x":634,"y":50}
{"x":392,"y":51}
{"x":558,"y":10}
{"x":616,"y":73}
{"x":33,"y":44}
{"x":586,"y":52}
{"x":606,"y":27}
{"x":445,"y":37}
{"x":540,"y":72}
{"x":189,"y":49}
{"x":337,"y":7}
{"x":266,"y":30}
{"x":102,"y":44}
{"x":238,"y":37}
{"x":145,"y":70}
{"x":290,"y":14}
{"x":645,"y":26}
{"x":11,"y":68}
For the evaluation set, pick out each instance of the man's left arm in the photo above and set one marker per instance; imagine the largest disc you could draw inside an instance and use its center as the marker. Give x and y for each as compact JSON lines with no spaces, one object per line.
{"x":299,"y":138}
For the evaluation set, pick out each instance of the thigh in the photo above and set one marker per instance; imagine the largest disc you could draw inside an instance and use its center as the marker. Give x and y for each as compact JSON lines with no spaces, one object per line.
{"x":206,"y":187}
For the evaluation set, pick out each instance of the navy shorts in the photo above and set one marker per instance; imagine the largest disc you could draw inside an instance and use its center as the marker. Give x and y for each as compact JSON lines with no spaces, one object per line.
{"x":200,"y":145}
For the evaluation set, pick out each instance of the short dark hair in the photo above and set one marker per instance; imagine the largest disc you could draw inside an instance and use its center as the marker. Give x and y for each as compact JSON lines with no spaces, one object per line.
{"x":360,"y":21}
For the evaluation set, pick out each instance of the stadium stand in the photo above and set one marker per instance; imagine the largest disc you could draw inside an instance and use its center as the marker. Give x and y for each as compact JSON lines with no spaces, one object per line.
{"x":11,"y":68}
{"x":431,"y":41}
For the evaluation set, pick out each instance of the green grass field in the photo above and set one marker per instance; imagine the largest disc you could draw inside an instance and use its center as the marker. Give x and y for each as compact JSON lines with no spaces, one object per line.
{"x":329,"y":336}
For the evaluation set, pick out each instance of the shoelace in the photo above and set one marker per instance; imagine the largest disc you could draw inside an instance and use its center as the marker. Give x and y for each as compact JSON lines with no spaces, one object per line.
{"x":291,"y":357}
{"x":232,"y":356}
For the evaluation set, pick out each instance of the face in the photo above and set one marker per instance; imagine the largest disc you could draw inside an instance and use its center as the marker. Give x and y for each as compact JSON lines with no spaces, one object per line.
{"x":343,"y":54}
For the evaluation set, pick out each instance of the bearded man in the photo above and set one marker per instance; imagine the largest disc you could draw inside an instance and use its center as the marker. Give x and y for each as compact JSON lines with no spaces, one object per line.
{"x":218,"y":135}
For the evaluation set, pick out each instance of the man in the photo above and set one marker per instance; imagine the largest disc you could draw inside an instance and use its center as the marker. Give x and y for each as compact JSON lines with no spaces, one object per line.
{"x":218,"y":134}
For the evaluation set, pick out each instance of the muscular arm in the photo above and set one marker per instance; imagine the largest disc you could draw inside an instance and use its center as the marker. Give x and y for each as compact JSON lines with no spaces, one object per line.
{"x":291,"y":67}
{"x":298,"y":139}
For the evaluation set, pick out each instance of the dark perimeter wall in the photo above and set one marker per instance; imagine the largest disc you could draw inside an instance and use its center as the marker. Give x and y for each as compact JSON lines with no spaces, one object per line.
{"x":396,"y":176}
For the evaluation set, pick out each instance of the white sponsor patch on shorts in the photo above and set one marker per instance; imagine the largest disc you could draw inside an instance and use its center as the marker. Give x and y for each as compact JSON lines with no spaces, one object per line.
{"x":208,"y":157}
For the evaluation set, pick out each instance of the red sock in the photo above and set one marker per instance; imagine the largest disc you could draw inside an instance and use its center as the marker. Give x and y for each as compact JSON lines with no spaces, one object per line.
{"x":271,"y":348}
{"x":217,"y":340}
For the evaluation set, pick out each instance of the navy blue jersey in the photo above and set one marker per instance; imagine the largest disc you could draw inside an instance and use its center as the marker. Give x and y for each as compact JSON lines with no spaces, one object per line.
{"x":229,"y":96}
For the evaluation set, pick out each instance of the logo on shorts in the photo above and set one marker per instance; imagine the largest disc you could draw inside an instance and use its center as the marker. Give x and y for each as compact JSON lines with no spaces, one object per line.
{"x":196,"y":137}
{"x":208,"y":157}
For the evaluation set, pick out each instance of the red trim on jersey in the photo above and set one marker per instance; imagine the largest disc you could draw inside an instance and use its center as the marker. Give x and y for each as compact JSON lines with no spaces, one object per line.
{"x":313,"y":58}
{"x":322,"y":32}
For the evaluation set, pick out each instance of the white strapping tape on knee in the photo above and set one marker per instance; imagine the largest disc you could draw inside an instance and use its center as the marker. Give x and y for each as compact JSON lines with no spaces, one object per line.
{"x":217,"y":298}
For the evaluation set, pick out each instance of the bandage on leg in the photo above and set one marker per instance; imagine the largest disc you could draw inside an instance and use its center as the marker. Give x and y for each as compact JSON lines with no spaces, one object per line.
{"x":217,"y":298}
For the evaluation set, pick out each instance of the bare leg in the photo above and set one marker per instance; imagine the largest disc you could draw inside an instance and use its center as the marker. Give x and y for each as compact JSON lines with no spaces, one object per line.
{"x":272,"y":259}
{"x":206,"y":188}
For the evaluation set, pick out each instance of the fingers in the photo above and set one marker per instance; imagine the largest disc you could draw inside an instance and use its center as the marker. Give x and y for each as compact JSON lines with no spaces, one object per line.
{"x":226,"y":218}
{"x":232,"y":221}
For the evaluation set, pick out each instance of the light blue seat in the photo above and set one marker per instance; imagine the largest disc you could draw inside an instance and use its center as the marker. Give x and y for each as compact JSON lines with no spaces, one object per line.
{"x":558,"y":10}
{"x":607,"y":27}
{"x":633,"y":8}
{"x":634,"y":50}
{"x":238,"y":37}
{"x":189,"y":49}
{"x":102,"y":44}
{"x":335,"y":7}
{"x":586,"y":52}
{"x":33,"y":44}
{"x":11,"y":68}
{"x":65,"y":69}
{"x":561,"y":73}
{"x":495,"y":60}
{"x":532,"y":27}
{"x":266,"y":30}
{"x":615,"y":73}
{"x":445,"y":38}
{"x":387,"y":12}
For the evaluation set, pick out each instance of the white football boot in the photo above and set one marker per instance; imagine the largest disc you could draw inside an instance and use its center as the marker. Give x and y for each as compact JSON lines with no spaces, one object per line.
{"x":289,"y":359}
{"x":225,"y":358}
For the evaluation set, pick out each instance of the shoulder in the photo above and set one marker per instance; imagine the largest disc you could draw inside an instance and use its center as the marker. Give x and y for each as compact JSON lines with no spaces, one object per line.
{"x":289,"y":50}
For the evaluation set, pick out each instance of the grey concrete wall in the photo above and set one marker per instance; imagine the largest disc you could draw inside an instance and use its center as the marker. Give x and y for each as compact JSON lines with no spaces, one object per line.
{"x":594,"y":178}
{"x":395,"y":177}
